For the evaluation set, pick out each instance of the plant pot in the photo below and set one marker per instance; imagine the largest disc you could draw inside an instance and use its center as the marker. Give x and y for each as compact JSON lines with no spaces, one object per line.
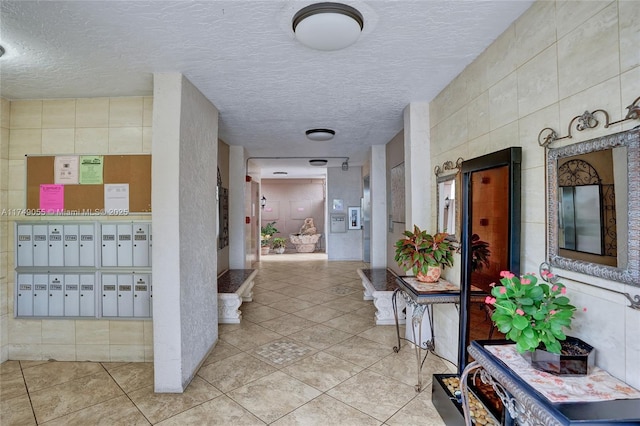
{"x":264,"y":250}
{"x":278,"y":250}
{"x":577,"y":358}
{"x":432,"y":275}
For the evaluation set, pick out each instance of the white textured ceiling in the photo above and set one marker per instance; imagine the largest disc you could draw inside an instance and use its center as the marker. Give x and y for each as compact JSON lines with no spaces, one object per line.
{"x":244,"y":57}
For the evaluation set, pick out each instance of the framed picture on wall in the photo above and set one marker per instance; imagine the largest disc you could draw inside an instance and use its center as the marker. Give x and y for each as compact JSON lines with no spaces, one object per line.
{"x":354,"y":218}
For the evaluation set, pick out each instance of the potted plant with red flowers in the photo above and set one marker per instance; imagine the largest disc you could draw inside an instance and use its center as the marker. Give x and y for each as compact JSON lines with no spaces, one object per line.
{"x":424,"y":254}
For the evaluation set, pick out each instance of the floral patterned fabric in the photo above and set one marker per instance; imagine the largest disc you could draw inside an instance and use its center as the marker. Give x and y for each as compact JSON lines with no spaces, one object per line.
{"x":597,"y":386}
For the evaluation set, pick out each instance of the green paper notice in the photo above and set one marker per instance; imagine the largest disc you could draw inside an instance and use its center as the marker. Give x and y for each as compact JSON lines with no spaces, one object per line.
{"x":91,"y":169}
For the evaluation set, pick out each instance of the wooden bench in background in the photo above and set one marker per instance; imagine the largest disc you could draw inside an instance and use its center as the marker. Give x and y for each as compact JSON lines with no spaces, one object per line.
{"x":234,"y":287}
{"x":379,"y":285}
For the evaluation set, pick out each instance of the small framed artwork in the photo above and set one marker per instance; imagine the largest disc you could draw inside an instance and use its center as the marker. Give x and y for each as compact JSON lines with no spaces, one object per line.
{"x":354,"y":218}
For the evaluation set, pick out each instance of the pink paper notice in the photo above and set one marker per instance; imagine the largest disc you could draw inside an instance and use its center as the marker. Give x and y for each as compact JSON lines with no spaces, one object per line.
{"x":52,"y":198}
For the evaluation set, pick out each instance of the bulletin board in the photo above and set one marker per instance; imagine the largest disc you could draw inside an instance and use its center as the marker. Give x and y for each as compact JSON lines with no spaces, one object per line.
{"x":132,"y":169}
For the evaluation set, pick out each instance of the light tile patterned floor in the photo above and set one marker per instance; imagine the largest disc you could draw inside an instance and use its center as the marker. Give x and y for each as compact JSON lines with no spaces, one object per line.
{"x":307,"y":352}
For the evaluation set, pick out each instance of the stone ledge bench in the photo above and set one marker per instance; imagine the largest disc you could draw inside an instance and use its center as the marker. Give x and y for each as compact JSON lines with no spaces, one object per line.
{"x":234,"y":287}
{"x":379,"y":285}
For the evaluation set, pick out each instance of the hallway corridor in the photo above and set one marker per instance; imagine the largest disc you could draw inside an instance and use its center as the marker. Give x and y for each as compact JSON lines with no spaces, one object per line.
{"x":306,"y":353}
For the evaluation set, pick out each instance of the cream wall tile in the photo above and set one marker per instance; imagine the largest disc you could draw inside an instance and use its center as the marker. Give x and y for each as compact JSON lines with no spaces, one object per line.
{"x":5,"y":113}
{"x":126,"y":332}
{"x":147,"y":327}
{"x":146,"y":140}
{"x":534,"y":251}
{"x":59,"y":352}
{"x":534,"y":199}
{"x":535,"y":30}
{"x":59,"y":332}
{"x":476,"y":78}
{"x":92,"y":141}
{"x":478,"y":116}
{"x":602,"y":96}
{"x":148,"y":353}
{"x":26,"y":114}
{"x":147,"y":113}
{"x":503,"y":102}
{"x":501,"y":59}
{"x":479,"y":146}
{"x":126,"y":112}
{"x":630,"y":88}
{"x":127,"y":353}
{"x":571,"y":14}
{"x":96,"y":353}
{"x":125,"y":140}
{"x":529,"y":128}
{"x":632,"y":343}
{"x":23,"y":142}
{"x":93,"y":112}
{"x":25,"y":331}
{"x":452,"y":132}
{"x":58,"y":141}
{"x":504,"y":137}
{"x":629,"y":34}
{"x":59,"y":114}
{"x":25,"y":352}
{"x":4,"y":143}
{"x":17,"y":176}
{"x":578,"y":71}
{"x":89,"y":332}
{"x":538,"y":82}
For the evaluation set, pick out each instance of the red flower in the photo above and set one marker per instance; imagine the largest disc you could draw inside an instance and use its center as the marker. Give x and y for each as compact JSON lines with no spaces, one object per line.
{"x":506,"y":274}
{"x":503,"y":290}
{"x":490,"y":300}
{"x":519,"y":311}
{"x":525,"y":281}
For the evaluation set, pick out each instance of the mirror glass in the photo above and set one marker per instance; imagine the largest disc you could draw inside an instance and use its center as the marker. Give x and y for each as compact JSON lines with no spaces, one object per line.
{"x":593,"y":193}
{"x":448,"y":195}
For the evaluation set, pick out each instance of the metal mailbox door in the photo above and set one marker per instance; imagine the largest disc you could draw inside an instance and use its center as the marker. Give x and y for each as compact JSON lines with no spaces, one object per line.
{"x":109,"y":295}
{"x":125,"y":295}
{"x":25,"y":245}
{"x":40,"y":245}
{"x":141,"y":296}
{"x":125,"y":245}
{"x":87,"y":295}
{"x":141,"y":244}
{"x":71,"y":295}
{"x":56,"y":247}
{"x":87,"y":245}
{"x":71,"y":245}
{"x":40,"y":295}
{"x":56,"y":295}
{"x":109,"y":245}
{"x":25,"y":295}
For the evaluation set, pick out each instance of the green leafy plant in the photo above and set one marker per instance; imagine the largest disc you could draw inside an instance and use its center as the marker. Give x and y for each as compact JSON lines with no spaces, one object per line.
{"x":419,"y":250}
{"x":479,"y":253}
{"x":531,"y":312}
{"x":278,"y":242}
{"x":266,"y":232}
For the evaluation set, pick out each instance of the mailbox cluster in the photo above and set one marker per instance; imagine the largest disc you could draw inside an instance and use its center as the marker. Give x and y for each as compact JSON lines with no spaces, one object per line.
{"x":83,"y":269}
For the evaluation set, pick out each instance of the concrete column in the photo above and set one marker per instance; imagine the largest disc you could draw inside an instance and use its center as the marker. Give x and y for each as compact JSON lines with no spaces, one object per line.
{"x":417,"y":160}
{"x":378,"y":186}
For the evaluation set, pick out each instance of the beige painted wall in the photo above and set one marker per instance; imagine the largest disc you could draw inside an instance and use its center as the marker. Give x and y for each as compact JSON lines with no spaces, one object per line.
{"x":553,"y":63}
{"x":223,"y":166}
{"x":67,"y":126}
{"x":395,"y":157}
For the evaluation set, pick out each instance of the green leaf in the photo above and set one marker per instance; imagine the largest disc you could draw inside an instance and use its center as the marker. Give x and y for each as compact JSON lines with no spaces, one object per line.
{"x":525,"y":301}
{"x":562,"y":300}
{"x":520,"y":322}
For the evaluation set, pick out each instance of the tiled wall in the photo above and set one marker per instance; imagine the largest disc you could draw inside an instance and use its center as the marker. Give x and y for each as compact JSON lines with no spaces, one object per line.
{"x":69,"y":126}
{"x":553,"y":63}
{"x":5,"y":114}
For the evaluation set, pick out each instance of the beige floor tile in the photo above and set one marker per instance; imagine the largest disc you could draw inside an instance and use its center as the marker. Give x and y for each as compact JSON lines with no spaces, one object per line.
{"x":403,"y":367}
{"x":53,"y":373}
{"x":294,"y":290}
{"x":10,"y":367}
{"x":346,"y":304}
{"x":133,"y":376}
{"x":324,"y":411}
{"x":160,"y":406}
{"x":320,"y":336}
{"x":116,"y":411}
{"x":260,"y":314}
{"x":359,"y":351}
{"x":12,"y":385}
{"x":351,"y":323}
{"x":273,"y":396}
{"x":221,"y":351}
{"x":113,"y":365}
{"x":65,"y":398}
{"x":235,"y":371}
{"x":251,"y":336}
{"x":340,"y":290}
{"x":291,"y":305}
{"x":282,"y":352}
{"x":16,"y":411}
{"x":318,"y":297}
{"x":271,"y":284}
{"x":29,"y":364}
{"x":319,"y":313}
{"x":322,"y":371}
{"x":219,"y":411}
{"x":267,"y":297}
{"x":287,"y":324}
{"x":419,"y":411}
{"x":376,"y":395}
{"x":384,"y":334}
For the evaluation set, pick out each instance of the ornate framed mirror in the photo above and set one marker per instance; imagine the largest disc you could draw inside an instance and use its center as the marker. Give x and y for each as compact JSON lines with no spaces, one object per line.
{"x":593,"y":215}
{"x":448,"y":194}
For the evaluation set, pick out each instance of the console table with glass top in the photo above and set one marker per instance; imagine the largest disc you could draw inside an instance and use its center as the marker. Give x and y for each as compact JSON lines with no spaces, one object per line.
{"x":420,"y":297}
{"x":525,"y":404}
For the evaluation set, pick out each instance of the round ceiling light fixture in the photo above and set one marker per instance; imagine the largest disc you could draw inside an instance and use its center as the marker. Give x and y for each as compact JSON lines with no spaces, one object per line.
{"x":318,"y":162}
{"x":320,"y":134}
{"x":328,"y":26}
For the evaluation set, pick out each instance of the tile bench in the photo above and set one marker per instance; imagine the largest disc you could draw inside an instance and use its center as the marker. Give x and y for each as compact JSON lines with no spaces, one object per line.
{"x":379,"y":285}
{"x":234,"y":287}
